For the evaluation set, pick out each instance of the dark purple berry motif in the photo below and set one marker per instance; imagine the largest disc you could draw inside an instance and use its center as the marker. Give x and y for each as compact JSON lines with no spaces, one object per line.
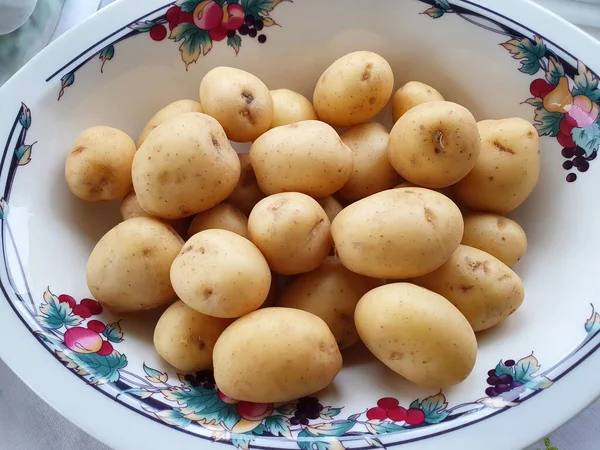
{"x":512,"y":378}
{"x":307,"y":409}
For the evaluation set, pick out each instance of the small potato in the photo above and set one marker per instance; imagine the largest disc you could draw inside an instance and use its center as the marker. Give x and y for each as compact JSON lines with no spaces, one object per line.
{"x":507,"y":170}
{"x":418,"y":334}
{"x":354,"y":89}
{"x":331,"y":206}
{"x":497,"y":235}
{"x":483,"y":288}
{"x":185,"y":338}
{"x":372,"y":169}
{"x":168,"y":112}
{"x":128,"y":269}
{"x":331,"y":292}
{"x":290,"y":107}
{"x":434,"y":144}
{"x":247,"y":193}
{"x":221,"y":274}
{"x":223,"y":217}
{"x":397,"y":234}
{"x":98,"y":166}
{"x":185,"y":166}
{"x":307,"y":157}
{"x":239,"y":101}
{"x":131,"y":208}
{"x":275,"y":355}
{"x":412,"y":94}
{"x":292,"y":231}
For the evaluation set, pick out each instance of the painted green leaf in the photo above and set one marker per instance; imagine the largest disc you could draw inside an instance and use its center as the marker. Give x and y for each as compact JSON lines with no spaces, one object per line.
{"x":141,"y":393}
{"x":106,"y":54}
{"x":241,"y":440}
{"x":235,"y":42}
{"x":188,"y":6}
{"x":373,"y":441}
{"x":434,"y":13}
{"x":3,"y":208}
{"x":66,"y":81}
{"x":143,"y":27}
{"x":337,"y":428}
{"x":434,"y":408}
{"x":547,"y":123}
{"x":586,"y":83}
{"x":170,"y":416}
{"x":307,"y":441}
{"x":23,"y":154}
{"x":539,"y":383}
{"x":555,"y":71}
{"x":155,"y":376}
{"x":279,"y":426}
{"x":525,"y":369}
{"x":113,"y":333}
{"x":195,"y":42}
{"x":354,"y":417}
{"x":55,"y":315}
{"x":501,"y":369}
{"x":528,"y":52}
{"x":536,"y":102}
{"x":25,"y":116}
{"x":287,"y":409}
{"x":102,"y":369}
{"x":444,"y":4}
{"x":592,"y":325}
{"x":329,"y":412}
{"x":587,"y":138}
{"x":387,"y":427}
{"x":415,"y":404}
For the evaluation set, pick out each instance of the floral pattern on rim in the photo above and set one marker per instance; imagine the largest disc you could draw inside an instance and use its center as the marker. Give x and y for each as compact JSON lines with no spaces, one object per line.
{"x":566,"y":99}
{"x":196,"y":25}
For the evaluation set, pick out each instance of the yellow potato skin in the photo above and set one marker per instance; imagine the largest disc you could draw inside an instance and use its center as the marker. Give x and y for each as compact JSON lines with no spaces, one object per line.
{"x":98,"y":165}
{"x":275,"y":355}
{"x":399,"y":233}
{"x":128,"y":269}
{"x":185,"y":338}
{"x":417,"y":333}
{"x":290,"y":107}
{"x":331,"y":206}
{"x":131,"y":208}
{"x":497,"y":235}
{"x":354,"y":89}
{"x":224,"y":216}
{"x":434,"y":144}
{"x":372,"y":169}
{"x":221,"y":274}
{"x":331,"y":292}
{"x":166,"y":113}
{"x":307,"y":157}
{"x":185,"y":166}
{"x":412,"y":94}
{"x":484,"y":289}
{"x":507,"y":170}
{"x":246,"y":194}
{"x":240,"y":102}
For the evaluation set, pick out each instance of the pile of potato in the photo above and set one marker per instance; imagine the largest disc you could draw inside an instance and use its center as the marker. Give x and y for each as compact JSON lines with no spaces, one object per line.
{"x":274,"y":261}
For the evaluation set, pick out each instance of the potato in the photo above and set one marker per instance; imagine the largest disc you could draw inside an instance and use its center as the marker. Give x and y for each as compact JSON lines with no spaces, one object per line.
{"x":168,"y":112}
{"x":247,"y":193}
{"x":412,"y":94}
{"x":497,"y":235}
{"x":397,"y":234}
{"x":331,"y":292}
{"x":223,"y":217}
{"x":221,"y":274}
{"x":185,"y":338}
{"x":239,"y":101}
{"x":483,"y":288}
{"x":273,"y":294}
{"x":185,"y":166}
{"x":292,"y":231}
{"x":353,"y":89}
{"x":417,"y":333}
{"x":307,"y":157}
{"x":331,"y":206}
{"x":435,"y":144}
{"x":98,"y":165}
{"x":130,"y":208}
{"x":372,"y":169}
{"x":290,"y":107}
{"x":507,"y":170}
{"x":128,"y":269}
{"x":275,"y":355}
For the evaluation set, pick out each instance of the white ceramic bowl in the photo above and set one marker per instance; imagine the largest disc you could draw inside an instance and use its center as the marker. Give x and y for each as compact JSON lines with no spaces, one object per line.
{"x":495,"y":57}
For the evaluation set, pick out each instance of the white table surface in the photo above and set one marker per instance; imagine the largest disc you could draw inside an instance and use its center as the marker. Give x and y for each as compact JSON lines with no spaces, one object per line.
{"x":27,"y":423}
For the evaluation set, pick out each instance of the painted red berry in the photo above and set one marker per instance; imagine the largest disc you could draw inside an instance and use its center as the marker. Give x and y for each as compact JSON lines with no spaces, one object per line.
{"x":226,"y":399}
{"x":208,"y":14}
{"x":218,"y":34}
{"x":415,"y":416}
{"x":158,"y":32}
{"x":82,"y":311}
{"x":96,"y":326}
{"x":377,"y":414}
{"x":566,"y":125}
{"x":540,"y":88}
{"x":570,"y":120}
{"x":565,"y":140}
{"x":173,"y":13}
{"x":233,"y":16}
{"x":186,"y":18}
{"x":387,"y":403}
{"x":94,"y":307}
{"x":254,"y":411}
{"x":106,"y":349}
{"x":397,"y":414}
{"x":64,"y":298}
{"x":82,"y":340}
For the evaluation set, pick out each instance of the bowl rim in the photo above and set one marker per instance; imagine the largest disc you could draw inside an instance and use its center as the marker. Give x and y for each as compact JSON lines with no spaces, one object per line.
{"x":113,"y":424}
